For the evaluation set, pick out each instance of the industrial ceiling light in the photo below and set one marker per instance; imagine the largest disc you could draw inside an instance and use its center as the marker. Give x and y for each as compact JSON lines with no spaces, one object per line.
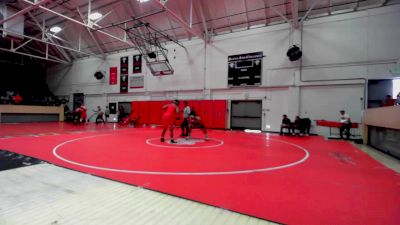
{"x":55,"y":29}
{"x":95,"y":16}
{"x":141,"y":1}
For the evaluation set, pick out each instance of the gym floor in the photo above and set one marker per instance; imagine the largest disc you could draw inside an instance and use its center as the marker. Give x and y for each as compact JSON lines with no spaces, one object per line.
{"x":248,"y":178}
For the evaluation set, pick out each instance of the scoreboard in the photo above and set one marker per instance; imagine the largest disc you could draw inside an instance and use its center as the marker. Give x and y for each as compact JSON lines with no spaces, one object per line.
{"x":245,"y":69}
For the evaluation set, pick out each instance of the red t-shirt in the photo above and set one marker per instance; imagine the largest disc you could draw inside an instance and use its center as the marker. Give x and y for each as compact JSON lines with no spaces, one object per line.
{"x":17,"y":99}
{"x":389,"y":102}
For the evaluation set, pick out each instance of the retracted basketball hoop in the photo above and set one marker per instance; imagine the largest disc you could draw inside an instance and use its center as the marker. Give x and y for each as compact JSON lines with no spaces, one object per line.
{"x":160,"y":68}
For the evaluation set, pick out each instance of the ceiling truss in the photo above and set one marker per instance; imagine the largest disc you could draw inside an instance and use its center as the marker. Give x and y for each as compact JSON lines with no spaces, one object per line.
{"x":158,"y":22}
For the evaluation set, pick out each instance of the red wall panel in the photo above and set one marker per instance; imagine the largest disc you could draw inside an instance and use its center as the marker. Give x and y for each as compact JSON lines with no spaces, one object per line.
{"x":212,"y":112}
{"x":220,"y":114}
{"x":154,"y":111}
{"x":207,"y":113}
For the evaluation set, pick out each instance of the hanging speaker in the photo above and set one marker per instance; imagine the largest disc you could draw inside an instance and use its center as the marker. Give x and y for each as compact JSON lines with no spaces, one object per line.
{"x":294,"y":53}
{"x":99,"y":75}
{"x":152,"y":55}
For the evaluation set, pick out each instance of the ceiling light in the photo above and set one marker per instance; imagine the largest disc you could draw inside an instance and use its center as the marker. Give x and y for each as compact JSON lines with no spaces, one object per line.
{"x":95,"y":16}
{"x":55,"y":29}
{"x":141,"y":1}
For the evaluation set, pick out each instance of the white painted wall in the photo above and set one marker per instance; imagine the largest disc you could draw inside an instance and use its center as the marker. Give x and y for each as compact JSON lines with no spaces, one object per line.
{"x":340,"y":53}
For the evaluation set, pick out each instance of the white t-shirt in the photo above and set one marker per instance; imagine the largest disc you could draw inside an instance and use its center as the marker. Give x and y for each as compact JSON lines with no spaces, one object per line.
{"x":186,"y":112}
{"x":345,"y":118}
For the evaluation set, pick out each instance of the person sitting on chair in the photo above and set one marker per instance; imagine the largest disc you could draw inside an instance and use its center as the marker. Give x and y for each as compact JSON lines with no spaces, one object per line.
{"x":286,"y":124}
{"x":346,"y":124}
{"x":194,"y":121}
{"x":302,"y":125}
{"x":389,"y":101}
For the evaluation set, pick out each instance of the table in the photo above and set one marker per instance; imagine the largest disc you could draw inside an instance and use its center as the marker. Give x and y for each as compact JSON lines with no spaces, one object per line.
{"x":335,"y":124}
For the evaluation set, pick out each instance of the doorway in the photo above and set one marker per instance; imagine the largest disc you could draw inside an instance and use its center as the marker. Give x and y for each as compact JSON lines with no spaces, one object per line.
{"x":246,"y":115}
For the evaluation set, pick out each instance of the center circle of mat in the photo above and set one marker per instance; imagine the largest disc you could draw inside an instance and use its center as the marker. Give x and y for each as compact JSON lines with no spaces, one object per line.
{"x":187,"y":173}
{"x":182,"y":143}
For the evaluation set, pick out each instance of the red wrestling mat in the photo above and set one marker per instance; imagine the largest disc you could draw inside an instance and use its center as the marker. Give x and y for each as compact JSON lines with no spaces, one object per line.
{"x":289,"y":180}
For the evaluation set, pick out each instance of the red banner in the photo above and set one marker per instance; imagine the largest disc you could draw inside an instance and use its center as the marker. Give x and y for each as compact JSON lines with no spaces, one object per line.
{"x":113,"y":75}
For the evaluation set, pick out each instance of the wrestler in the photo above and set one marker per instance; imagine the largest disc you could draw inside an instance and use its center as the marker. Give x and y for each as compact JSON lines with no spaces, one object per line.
{"x":195,"y":122}
{"x":168,"y":120}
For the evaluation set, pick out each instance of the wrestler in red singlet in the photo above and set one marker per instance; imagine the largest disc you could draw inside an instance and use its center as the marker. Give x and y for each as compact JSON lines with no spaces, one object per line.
{"x":168,"y":120}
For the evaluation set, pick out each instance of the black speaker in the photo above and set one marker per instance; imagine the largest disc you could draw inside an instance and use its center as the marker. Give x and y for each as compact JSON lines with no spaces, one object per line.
{"x":99,"y":75}
{"x":294,"y":53}
{"x":152,"y":55}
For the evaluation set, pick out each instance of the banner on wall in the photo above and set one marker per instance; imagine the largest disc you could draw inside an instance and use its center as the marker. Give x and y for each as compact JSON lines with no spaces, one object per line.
{"x":113,"y":75}
{"x":123,"y":84}
{"x":136,"y":81}
{"x":124,"y":65}
{"x":245,"y":69}
{"x":137,"y":63}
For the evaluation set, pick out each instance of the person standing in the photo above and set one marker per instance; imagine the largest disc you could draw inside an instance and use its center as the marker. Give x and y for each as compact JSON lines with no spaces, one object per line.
{"x":168,"y":120}
{"x":398,"y":99}
{"x":185,"y":123}
{"x":121,"y":113}
{"x":107,"y":113}
{"x":99,"y":115}
{"x":346,"y":124}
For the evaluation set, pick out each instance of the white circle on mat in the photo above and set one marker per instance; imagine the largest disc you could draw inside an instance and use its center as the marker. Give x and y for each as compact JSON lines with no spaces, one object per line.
{"x":183,"y":143}
{"x":181,"y":173}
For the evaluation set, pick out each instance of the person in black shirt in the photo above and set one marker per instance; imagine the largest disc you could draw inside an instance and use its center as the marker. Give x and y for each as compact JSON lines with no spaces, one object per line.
{"x":286,"y":124}
{"x":302,"y":125}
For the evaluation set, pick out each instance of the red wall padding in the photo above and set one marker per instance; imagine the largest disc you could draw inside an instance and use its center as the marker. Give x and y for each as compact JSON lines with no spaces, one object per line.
{"x":212,"y":112}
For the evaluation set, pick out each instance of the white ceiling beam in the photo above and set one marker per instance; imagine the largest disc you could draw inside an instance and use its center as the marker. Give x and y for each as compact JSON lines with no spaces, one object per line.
{"x":41,"y":52}
{"x":83,"y":24}
{"x":25,"y":10}
{"x":228,"y":16}
{"x":34,"y":56}
{"x":181,"y":16}
{"x":172,"y":27}
{"x":191,"y":14}
{"x":203,"y":20}
{"x":44,"y":33}
{"x":266,"y":11}
{"x":294,"y":5}
{"x":23,"y":44}
{"x":180,"y":20}
{"x":46,"y":42}
{"x":90,"y":33}
{"x":281,"y":15}
{"x":247,"y":14}
{"x":313,"y":4}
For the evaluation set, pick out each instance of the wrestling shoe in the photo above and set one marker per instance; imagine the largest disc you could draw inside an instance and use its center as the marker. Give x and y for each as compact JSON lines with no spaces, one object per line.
{"x":162,"y":139}
{"x":172,"y":141}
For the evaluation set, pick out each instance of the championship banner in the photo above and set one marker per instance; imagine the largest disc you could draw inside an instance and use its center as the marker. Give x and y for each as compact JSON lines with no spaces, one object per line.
{"x":123,"y":84}
{"x":113,"y":75}
{"x":136,"y":81}
{"x":245,"y":69}
{"x":124,"y":65}
{"x":137,"y":63}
